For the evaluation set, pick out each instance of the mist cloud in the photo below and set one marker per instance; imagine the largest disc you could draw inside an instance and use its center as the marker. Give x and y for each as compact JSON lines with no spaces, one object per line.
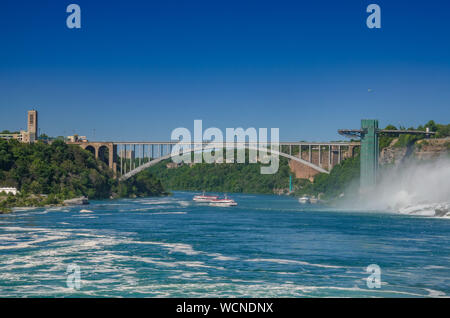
{"x":414,"y":187}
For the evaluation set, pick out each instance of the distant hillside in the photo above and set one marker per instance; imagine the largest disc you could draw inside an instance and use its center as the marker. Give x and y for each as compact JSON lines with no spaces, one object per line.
{"x":223,"y":177}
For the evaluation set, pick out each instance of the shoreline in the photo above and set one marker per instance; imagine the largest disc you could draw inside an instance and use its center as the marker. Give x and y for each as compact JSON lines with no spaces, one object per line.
{"x":79,"y":201}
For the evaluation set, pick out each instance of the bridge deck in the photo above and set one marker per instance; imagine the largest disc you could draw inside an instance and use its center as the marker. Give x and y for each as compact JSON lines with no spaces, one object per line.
{"x":281,"y":143}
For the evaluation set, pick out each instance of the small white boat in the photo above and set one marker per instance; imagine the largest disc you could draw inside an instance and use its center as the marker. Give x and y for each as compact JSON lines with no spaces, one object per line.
{"x":223,"y":202}
{"x":304,"y":199}
{"x":205,"y":198}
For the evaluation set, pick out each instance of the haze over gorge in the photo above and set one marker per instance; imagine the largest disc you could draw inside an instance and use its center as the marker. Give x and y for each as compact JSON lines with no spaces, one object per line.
{"x":413,"y":187}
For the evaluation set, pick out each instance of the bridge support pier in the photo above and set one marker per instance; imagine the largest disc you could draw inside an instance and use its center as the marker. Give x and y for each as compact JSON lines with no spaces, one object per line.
{"x":320,"y":156}
{"x":339,"y":156}
{"x":329,"y":157}
{"x":97,"y":146}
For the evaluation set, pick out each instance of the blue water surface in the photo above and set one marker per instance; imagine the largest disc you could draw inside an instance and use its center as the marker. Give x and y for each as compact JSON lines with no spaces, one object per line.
{"x":267,"y":246}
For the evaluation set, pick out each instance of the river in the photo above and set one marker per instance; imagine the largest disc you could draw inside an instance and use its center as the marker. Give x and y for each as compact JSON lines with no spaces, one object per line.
{"x":267,"y":246}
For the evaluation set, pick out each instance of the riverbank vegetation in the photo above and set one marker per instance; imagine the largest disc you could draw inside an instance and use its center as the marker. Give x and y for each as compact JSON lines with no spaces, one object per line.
{"x":343,"y":178}
{"x":47,"y":174}
{"x":246,"y":178}
{"x":221,"y":177}
{"x":406,"y":140}
{"x":144,"y":184}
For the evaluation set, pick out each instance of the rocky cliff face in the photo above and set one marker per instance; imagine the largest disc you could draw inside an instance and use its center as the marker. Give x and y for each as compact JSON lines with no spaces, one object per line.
{"x":432,"y":148}
{"x":422,"y":150}
{"x":302,"y":171}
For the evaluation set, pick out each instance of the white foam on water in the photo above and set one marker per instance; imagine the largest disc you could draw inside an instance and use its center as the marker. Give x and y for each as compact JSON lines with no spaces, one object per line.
{"x":285,"y":261}
{"x":220,"y":257}
{"x":135,"y":210}
{"x":435,"y":293}
{"x":184,"y":203}
{"x":191,"y":275}
{"x":31,"y":243}
{"x":147,"y":208}
{"x":197,"y":264}
{"x":187,"y":250}
{"x":23,"y":209}
{"x":159,"y":202}
{"x":434,"y":267}
{"x":254,"y":289}
{"x":173,"y":247}
{"x":162,"y":213}
{"x":97,"y":254}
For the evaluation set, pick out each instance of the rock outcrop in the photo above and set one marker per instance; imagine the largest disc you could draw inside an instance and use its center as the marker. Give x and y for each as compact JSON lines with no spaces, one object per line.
{"x":77,"y":201}
{"x":423,"y":150}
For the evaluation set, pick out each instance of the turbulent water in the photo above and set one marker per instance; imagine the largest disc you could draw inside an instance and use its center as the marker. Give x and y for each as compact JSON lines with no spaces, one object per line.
{"x":268,"y":246}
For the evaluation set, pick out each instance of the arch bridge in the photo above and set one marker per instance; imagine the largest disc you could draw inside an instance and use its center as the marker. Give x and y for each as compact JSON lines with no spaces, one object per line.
{"x":128,"y":158}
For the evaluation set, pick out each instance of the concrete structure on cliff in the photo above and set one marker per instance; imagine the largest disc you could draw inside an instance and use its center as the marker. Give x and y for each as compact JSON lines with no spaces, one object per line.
{"x":369,"y":134}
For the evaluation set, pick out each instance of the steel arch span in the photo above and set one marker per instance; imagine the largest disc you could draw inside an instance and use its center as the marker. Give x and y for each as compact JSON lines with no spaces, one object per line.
{"x":202,"y":148}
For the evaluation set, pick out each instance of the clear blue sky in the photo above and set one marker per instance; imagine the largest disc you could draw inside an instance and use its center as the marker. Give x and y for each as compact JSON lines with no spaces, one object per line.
{"x":138,"y":69}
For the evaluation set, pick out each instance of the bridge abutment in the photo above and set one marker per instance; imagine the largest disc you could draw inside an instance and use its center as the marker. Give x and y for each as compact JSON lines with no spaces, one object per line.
{"x":97,"y":147}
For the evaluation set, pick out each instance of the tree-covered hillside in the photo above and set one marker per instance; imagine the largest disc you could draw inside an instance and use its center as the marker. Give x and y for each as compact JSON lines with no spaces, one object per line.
{"x":222,"y":177}
{"x":57,"y":171}
{"x":405,"y":140}
{"x":330,"y":186}
{"x":144,"y":184}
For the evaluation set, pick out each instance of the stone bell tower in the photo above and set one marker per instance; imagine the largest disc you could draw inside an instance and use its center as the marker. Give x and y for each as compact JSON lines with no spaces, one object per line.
{"x":33,"y":125}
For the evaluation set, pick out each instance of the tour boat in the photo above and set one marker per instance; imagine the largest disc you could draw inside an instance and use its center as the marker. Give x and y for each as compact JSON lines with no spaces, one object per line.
{"x":204,"y":198}
{"x":304,"y":199}
{"x":223,"y":202}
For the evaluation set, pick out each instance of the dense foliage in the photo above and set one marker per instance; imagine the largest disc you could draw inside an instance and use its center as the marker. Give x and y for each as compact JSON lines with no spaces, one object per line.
{"x":342,"y":177}
{"x":221,"y":177}
{"x":406,"y":140}
{"x":143,"y":184}
{"x":50,"y":173}
{"x":247,"y":178}
{"x":441,"y":130}
{"x":7,"y":132}
{"x":59,"y":169}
